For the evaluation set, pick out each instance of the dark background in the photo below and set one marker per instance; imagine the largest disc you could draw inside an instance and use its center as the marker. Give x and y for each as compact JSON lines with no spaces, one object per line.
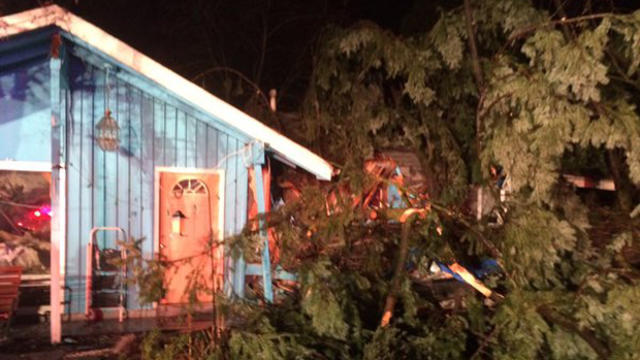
{"x":270,"y":42}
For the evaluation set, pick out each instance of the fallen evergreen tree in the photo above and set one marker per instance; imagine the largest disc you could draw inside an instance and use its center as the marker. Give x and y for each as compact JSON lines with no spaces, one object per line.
{"x":495,"y":82}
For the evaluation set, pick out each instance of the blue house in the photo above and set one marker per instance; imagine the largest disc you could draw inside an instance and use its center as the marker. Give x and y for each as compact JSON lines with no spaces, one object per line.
{"x":133,"y":150}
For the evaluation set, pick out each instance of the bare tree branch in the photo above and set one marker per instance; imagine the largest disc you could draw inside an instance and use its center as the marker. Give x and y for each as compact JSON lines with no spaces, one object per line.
{"x":475,"y":60}
{"x":212,"y":70}
{"x":477,"y":70}
{"x":587,"y":335}
{"x":526,"y":30}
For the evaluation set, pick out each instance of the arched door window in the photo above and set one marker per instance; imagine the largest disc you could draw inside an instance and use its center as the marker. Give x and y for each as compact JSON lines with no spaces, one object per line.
{"x":189,"y":186}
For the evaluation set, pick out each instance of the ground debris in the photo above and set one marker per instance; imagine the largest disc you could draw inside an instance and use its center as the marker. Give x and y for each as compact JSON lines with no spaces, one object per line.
{"x":124,"y":346}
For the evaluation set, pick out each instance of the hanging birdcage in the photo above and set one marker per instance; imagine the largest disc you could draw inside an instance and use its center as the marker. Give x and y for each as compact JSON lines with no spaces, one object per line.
{"x":107,"y":129}
{"x":108,"y":133}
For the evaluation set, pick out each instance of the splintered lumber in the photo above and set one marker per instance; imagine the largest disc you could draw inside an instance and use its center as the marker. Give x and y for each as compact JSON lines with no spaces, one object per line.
{"x":406,"y":219}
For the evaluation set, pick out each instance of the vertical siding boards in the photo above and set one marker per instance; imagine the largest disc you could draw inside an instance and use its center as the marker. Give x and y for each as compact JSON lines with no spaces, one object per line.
{"x":230,"y":182}
{"x":192,"y":141}
{"x":158,"y":128}
{"x":72,"y":108}
{"x":240,"y":208}
{"x":117,"y":188}
{"x":134,"y":154}
{"x":212,"y":149}
{"x":181,"y":139}
{"x":150,"y":140}
{"x":111,"y":189}
{"x":200,"y":141}
{"x":170,"y":136}
{"x":69,"y":137}
{"x":240,"y":197}
{"x":226,"y":159}
{"x":74,"y":168}
{"x":79,"y":113}
{"x":122,"y":180}
{"x":98,"y":165}
{"x":86,"y":95}
{"x":219,"y":161}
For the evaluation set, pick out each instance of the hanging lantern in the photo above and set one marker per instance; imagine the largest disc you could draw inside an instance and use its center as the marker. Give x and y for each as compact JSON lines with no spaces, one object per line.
{"x":177,"y":220}
{"x":108,"y":133}
{"x":107,"y":129}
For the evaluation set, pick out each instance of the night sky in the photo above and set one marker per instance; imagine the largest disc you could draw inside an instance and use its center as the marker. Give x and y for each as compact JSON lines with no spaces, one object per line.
{"x":193,"y":36}
{"x":270,"y":42}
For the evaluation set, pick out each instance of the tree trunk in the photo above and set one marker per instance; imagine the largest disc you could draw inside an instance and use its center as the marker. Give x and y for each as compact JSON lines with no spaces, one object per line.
{"x":620,"y":174}
{"x":477,"y":74}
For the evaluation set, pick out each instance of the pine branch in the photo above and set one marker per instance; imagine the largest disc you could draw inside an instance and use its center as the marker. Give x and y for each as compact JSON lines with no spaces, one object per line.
{"x":453,"y":215}
{"x":587,"y":335}
{"x":493,"y":250}
{"x":485,"y":110}
{"x":486,"y":341}
{"x":529,"y":29}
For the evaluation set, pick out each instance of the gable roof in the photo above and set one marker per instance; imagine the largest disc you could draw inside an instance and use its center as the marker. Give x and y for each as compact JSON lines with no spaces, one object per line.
{"x":54,"y":15}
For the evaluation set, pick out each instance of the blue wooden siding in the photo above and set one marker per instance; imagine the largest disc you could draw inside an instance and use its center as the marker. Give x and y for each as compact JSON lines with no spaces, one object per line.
{"x":25,"y":109}
{"x":117,"y":188}
{"x":110,"y":188}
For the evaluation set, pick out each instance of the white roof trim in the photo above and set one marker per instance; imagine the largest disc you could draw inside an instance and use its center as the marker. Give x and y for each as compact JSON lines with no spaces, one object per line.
{"x":125,"y":54}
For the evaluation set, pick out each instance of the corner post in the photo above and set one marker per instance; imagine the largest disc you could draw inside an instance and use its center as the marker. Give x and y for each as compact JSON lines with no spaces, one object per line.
{"x":258,"y":161}
{"x":57,"y":190}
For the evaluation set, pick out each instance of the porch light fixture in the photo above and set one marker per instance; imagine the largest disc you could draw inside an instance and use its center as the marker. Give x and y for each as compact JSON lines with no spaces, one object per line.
{"x":108,"y":132}
{"x":107,"y":129}
{"x":177,"y":220}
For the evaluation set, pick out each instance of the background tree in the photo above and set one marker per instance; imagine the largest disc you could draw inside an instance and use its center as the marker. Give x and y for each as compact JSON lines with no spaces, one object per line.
{"x":541,"y":94}
{"x":546,"y":91}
